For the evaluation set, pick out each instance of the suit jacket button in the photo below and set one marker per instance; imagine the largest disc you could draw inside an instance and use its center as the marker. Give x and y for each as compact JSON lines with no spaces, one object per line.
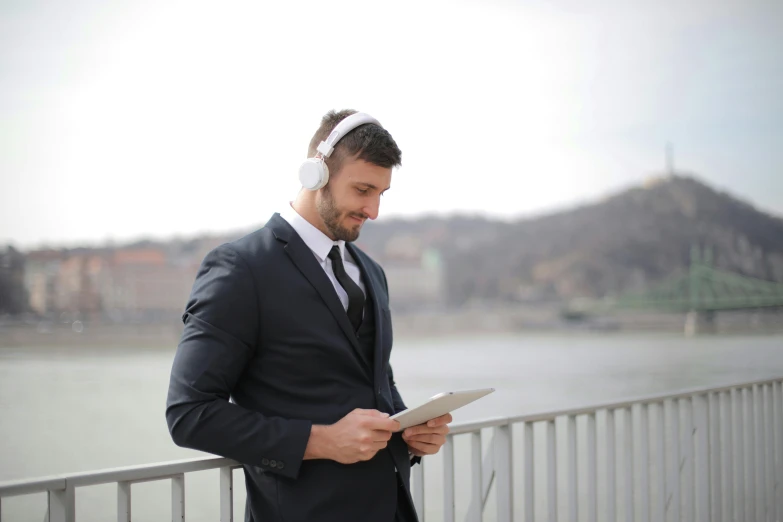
{"x":265,"y":462}
{"x":272,"y":463}
{"x":279,"y":465}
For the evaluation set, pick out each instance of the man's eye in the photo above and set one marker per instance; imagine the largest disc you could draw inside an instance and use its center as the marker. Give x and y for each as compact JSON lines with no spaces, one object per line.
{"x":361,"y":191}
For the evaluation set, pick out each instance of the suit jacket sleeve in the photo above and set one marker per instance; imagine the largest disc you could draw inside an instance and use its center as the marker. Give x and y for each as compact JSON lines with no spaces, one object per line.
{"x":219,"y":339}
{"x":397,"y":401}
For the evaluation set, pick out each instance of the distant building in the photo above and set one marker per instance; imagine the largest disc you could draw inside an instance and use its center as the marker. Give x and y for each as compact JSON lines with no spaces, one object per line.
{"x":145,"y":284}
{"x":125,"y":284}
{"x":42,"y":272}
{"x":13,"y":296}
{"x":415,"y":274}
{"x":82,"y":275}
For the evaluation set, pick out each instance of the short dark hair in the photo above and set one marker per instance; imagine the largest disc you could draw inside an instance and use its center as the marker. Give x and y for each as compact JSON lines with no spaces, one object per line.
{"x":369,"y":142}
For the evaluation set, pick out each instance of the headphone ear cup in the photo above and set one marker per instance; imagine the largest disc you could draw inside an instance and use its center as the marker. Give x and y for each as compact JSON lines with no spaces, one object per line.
{"x":313,"y":173}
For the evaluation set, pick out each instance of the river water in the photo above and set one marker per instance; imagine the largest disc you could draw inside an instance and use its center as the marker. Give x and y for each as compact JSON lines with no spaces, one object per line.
{"x":69,"y":409}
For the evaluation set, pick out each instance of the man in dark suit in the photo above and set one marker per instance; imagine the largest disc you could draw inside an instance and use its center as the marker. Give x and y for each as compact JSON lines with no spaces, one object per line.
{"x":283,"y":364}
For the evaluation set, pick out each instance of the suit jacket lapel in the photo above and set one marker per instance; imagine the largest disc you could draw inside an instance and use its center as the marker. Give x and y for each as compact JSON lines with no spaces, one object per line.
{"x":372,"y":299}
{"x":306,"y":262}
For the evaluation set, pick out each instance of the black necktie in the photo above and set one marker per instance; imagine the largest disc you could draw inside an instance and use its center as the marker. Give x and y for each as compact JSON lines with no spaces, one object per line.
{"x":355,"y":294}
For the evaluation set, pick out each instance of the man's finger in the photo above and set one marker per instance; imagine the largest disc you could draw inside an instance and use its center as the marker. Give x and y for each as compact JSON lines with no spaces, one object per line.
{"x":431,"y":438}
{"x":443,"y":431}
{"x":423,"y":428}
{"x":382,"y":423}
{"x":423,"y":447}
{"x":381,"y":435}
{"x":371,"y":413}
{"x":439,"y":421}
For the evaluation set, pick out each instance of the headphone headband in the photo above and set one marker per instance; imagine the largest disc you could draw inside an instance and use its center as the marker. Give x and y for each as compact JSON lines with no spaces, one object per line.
{"x":345,"y":126}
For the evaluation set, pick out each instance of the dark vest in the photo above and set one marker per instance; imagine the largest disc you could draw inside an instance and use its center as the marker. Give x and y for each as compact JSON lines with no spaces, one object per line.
{"x":366,"y":332}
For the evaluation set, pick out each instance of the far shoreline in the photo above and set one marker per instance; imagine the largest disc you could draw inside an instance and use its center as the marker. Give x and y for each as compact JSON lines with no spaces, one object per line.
{"x":419,"y":327}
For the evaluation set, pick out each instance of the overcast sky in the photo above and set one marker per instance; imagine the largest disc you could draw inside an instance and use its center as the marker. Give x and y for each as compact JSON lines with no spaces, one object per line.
{"x":125,"y":120}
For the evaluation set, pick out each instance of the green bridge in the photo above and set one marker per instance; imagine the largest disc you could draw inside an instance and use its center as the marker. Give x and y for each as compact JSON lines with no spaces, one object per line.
{"x":701,"y":292}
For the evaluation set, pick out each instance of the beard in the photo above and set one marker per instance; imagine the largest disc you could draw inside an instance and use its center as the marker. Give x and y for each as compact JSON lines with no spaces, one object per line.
{"x":332,"y":217}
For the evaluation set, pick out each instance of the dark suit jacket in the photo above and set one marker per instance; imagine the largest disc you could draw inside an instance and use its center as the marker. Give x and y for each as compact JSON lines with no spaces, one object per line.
{"x":267,"y":351}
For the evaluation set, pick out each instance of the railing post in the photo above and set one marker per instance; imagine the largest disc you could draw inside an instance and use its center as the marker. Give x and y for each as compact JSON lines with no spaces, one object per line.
{"x":702,"y":457}
{"x":226,"y":494}
{"x":592,"y":470}
{"x":644,"y":461}
{"x":715,"y":475}
{"x":551,"y":470}
{"x":418,"y":488}
{"x":739,"y":450}
{"x":178,"y":498}
{"x":750,"y":454}
{"x":769,"y":452}
{"x":477,"y":496}
{"x":676,"y":461}
{"x":123,"y":502}
{"x":688,"y":460}
{"x":62,"y":504}
{"x":630,"y":515}
{"x":530,"y":513}
{"x":611,"y":471}
{"x":724,"y":403}
{"x":661,"y":461}
{"x":503,"y":479}
{"x":573,"y":498}
{"x":777,"y":405}
{"x":758,"y":425}
{"x":448,"y":480}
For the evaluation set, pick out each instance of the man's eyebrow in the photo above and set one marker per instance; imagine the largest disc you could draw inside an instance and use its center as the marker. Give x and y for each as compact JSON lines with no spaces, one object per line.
{"x":371,"y":186}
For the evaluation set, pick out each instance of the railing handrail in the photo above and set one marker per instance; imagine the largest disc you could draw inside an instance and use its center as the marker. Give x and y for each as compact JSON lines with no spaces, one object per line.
{"x":468,"y":427}
{"x":163,"y":470}
{"x":137,"y":473}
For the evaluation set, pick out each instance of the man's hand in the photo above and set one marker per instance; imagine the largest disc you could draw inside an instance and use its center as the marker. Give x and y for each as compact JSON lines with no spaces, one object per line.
{"x":426,"y":439}
{"x":356,"y":437}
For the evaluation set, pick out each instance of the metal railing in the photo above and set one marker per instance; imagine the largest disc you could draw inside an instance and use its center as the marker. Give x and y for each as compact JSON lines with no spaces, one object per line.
{"x":718,"y":455}
{"x":61,"y":489}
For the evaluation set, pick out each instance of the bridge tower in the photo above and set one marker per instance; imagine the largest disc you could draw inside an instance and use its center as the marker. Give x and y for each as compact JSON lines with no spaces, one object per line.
{"x":698,"y":320}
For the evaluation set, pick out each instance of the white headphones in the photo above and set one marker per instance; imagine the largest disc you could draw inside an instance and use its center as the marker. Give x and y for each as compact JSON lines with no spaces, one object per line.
{"x":313,"y":173}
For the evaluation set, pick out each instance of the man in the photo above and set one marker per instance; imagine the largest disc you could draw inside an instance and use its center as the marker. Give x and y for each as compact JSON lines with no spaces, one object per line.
{"x":283,"y":364}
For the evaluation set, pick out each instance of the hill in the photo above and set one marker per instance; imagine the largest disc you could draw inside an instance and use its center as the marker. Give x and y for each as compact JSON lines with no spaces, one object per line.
{"x":624,"y":242}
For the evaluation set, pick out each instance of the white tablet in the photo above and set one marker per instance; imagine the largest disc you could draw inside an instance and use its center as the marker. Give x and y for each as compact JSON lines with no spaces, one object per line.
{"x":440,"y":404}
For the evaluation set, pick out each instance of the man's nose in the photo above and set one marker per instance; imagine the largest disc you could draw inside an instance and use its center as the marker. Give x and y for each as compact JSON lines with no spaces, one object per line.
{"x":371,"y":210}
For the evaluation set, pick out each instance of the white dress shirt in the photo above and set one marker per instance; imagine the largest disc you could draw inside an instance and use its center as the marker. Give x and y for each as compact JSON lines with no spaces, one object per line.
{"x":320,"y":244}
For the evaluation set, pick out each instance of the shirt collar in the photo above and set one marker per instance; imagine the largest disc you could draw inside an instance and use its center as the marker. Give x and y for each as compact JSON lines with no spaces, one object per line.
{"x":316,"y":240}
